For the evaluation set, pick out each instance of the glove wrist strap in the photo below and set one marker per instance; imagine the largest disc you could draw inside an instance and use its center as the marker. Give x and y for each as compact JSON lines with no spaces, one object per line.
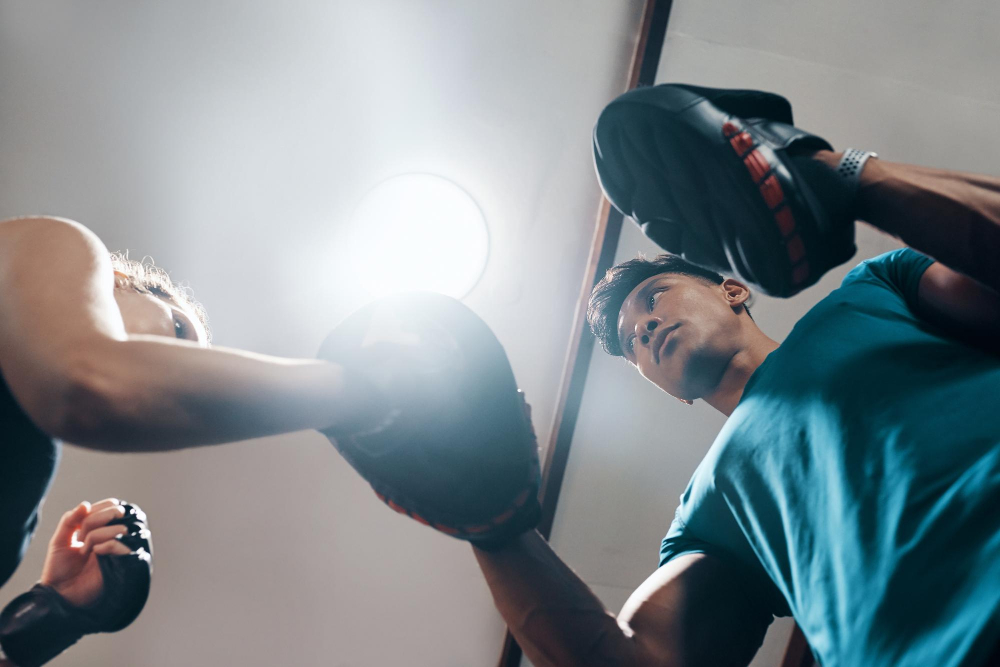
{"x":37,"y":626}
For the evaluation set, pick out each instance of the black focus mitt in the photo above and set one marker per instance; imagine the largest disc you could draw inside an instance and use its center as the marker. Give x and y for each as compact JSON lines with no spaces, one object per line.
{"x":722,"y":178}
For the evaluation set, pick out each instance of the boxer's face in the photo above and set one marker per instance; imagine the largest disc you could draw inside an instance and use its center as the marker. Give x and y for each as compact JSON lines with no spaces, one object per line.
{"x":148,"y":314}
{"x":681,"y":331}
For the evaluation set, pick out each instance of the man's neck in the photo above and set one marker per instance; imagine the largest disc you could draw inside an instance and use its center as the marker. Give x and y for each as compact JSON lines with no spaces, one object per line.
{"x":730,"y":388}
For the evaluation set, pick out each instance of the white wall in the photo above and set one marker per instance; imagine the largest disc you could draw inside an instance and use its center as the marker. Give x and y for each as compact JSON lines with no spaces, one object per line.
{"x":913,"y":81}
{"x":228,"y":140}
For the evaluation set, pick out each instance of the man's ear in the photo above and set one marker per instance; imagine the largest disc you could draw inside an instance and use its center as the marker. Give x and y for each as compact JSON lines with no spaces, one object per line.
{"x":736,"y":293}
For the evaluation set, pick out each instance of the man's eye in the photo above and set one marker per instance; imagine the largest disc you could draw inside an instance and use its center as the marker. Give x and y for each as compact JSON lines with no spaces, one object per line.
{"x":180,"y":330}
{"x":651,"y":300}
{"x":630,"y":345}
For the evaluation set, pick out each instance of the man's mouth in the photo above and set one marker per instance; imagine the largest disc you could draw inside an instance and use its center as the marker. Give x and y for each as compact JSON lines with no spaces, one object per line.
{"x":661,"y":342}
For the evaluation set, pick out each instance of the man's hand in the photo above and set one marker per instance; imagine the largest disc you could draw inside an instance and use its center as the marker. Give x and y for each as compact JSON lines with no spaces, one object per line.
{"x":71,"y":566}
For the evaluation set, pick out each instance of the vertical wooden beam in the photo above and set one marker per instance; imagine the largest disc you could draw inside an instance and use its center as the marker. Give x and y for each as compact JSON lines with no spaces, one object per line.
{"x":642,"y":72}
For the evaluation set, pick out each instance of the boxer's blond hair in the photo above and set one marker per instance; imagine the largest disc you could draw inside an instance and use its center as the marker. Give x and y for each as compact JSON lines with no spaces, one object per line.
{"x":146,"y":278}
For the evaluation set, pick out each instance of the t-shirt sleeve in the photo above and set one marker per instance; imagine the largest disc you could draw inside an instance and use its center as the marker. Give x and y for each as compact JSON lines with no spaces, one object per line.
{"x":676,"y":543}
{"x":898,"y":270}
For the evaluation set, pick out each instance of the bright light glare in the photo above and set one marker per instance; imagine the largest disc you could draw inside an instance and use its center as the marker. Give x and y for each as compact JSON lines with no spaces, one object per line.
{"x":418,"y":232}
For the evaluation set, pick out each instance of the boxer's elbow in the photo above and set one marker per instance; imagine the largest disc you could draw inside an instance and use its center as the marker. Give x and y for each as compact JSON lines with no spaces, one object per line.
{"x":89,"y":408}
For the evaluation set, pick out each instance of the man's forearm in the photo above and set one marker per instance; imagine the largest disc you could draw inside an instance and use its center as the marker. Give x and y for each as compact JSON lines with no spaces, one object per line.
{"x":951,"y":216}
{"x":556,"y":619}
{"x":150,"y":393}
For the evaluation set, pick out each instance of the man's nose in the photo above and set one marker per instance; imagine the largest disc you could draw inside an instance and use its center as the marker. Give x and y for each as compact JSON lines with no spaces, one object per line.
{"x":647,"y":331}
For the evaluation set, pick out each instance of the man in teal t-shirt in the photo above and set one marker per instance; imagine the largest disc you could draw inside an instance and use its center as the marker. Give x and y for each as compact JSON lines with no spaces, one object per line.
{"x":856,"y":482}
{"x":859,"y":476}
{"x":854,"y":486}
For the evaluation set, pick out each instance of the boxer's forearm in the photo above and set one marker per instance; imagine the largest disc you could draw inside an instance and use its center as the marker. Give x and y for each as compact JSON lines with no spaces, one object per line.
{"x":555,"y":618}
{"x":951,"y":216}
{"x":151,"y":393}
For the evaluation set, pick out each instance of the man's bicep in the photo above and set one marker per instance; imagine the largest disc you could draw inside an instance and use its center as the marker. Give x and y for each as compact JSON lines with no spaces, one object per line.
{"x":695,"y":610}
{"x":56,"y":299}
{"x":957,"y":303}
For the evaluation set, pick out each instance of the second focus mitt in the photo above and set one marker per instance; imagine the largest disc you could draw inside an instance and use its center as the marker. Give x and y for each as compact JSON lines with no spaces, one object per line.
{"x":722,"y":178}
{"x":457,"y":451}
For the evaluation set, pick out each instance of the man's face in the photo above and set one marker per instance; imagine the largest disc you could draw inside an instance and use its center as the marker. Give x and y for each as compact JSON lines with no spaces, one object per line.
{"x":681,"y":331}
{"x":148,"y":314}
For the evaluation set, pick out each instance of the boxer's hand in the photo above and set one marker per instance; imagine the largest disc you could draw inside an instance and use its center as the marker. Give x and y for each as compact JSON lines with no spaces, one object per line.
{"x":395,"y":350}
{"x":95,"y":579}
{"x":394,"y":363}
{"x":71,"y":565}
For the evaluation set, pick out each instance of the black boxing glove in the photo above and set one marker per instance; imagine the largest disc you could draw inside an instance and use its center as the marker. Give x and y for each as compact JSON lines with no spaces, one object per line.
{"x":454,"y":448}
{"x":40,"y":624}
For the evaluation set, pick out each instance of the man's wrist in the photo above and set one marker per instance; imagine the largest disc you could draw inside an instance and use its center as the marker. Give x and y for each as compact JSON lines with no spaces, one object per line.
{"x":39,"y":625}
{"x":829,"y":158}
{"x":515,"y":545}
{"x":873,"y":178}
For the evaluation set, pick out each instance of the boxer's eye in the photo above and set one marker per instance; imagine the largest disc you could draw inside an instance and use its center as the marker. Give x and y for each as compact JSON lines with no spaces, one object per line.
{"x":630,"y":345}
{"x":180,"y":328}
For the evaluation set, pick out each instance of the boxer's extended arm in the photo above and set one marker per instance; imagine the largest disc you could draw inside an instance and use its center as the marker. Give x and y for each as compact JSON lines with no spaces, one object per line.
{"x":79,"y":376}
{"x":690,"y":612}
{"x":151,"y":393}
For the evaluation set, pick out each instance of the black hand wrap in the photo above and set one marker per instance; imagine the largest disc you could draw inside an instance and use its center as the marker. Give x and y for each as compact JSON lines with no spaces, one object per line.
{"x":457,"y":452}
{"x":40,"y":624}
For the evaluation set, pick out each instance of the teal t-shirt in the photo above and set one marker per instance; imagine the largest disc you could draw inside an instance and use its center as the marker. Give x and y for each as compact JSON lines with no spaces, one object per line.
{"x":858,"y":480}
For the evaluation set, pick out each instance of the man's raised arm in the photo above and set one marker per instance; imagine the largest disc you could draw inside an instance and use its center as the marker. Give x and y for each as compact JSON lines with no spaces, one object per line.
{"x":690,"y":612}
{"x":961,"y":306}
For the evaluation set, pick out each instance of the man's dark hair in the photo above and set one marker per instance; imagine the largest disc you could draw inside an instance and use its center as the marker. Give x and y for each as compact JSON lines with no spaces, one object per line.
{"x":608,"y":295}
